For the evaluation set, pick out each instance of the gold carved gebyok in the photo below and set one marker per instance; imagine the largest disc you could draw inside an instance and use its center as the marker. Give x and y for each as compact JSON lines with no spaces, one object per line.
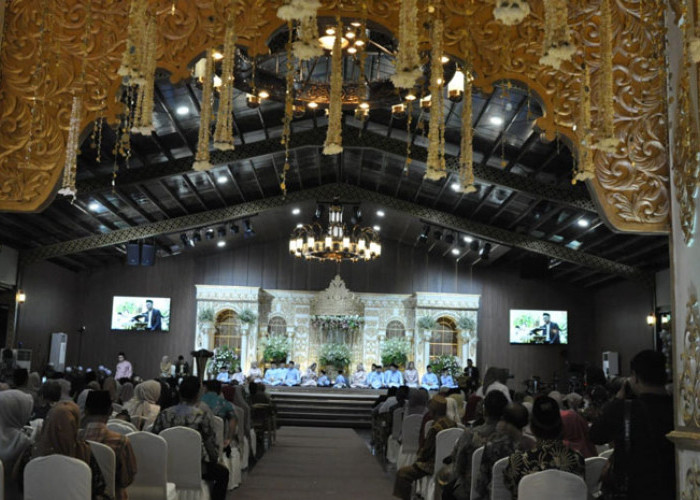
{"x":631,"y":185}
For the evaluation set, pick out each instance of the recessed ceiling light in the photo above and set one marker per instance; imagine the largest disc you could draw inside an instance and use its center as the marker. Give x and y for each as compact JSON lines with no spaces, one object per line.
{"x":313,"y":105}
{"x":221,"y":244}
{"x":218,"y":56}
{"x":468,"y":239}
{"x":444,"y":59}
{"x":455,"y":186}
{"x":94,"y":206}
{"x":222,"y":179}
{"x":300,"y":225}
{"x":296,"y":211}
{"x":496,"y":120}
{"x":183,"y":110}
{"x":380,"y":213}
{"x":583,"y":223}
{"x":455,"y":251}
{"x":377,"y":228}
{"x":350,"y":35}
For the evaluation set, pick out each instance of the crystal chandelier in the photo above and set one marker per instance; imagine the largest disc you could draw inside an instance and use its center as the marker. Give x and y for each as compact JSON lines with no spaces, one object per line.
{"x":336,"y":243}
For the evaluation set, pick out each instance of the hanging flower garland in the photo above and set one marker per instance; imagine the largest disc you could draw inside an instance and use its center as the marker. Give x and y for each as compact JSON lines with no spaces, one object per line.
{"x":143,"y":114}
{"x":586,"y":167}
{"x":407,"y":59}
{"x":72,"y":146}
{"x":202,"y":157}
{"x":288,"y":109}
{"x":436,"y":168}
{"x":607,"y":142}
{"x":296,"y":10}
{"x":334,"y":139}
{"x":511,"y":12}
{"x":132,"y":58}
{"x":557,"y":39}
{"x":223,"y":135}
{"x":466,"y":157}
{"x":307,"y":46}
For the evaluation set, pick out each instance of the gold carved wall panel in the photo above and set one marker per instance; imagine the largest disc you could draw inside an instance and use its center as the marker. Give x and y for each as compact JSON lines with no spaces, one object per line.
{"x":630,"y":185}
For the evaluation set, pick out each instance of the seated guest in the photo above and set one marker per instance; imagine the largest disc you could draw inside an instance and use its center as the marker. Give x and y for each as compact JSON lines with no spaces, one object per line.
{"x":281,"y":373}
{"x":166,"y":367}
{"x":59,"y":435}
{"x":255,"y":373}
{"x":550,"y":452}
{"x":375,"y":379}
{"x":410,"y":375}
{"x":144,"y":404}
{"x":188,"y":414}
{"x":382,"y":398}
{"x":446,"y":380}
{"x":220,"y":407}
{"x":507,"y":439}
{"x":417,"y":402}
{"x":238,"y":376}
{"x":340,"y":381}
{"x":182,"y":367}
{"x":359,"y":378}
{"x":458,"y":397}
{"x":292,"y":376}
{"x":323,"y":380}
{"x":271,"y":375}
{"x":223,"y":375}
{"x":49,"y":395}
{"x":425,"y":460}
{"x":650,"y":464}
{"x":15,"y":410}
{"x":125,"y":393}
{"x":258,"y":395}
{"x":595,"y":399}
{"x":393,"y":376}
{"x":98,"y":409}
{"x":575,"y":433}
{"x":110,"y":385}
{"x":20,"y":378}
{"x":309,"y":377}
{"x":495,"y":380}
{"x":430,"y":380}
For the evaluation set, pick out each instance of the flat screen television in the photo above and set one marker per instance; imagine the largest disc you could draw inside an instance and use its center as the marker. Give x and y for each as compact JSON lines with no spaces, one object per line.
{"x":537,"y":326}
{"x":147,"y":314}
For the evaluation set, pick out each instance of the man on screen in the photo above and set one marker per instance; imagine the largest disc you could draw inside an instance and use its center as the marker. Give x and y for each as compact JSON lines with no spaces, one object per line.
{"x":549,"y":330}
{"x":152,"y":317}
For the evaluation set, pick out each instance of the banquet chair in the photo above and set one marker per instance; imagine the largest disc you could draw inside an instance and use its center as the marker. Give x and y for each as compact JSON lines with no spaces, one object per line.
{"x":138,"y":422}
{"x":2,"y":481}
{"x":594,"y":468}
{"x":607,"y":454}
{"x":393,"y":445}
{"x":117,"y":408}
{"x":57,"y":477}
{"x":151,"y":480}
{"x":262,"y":422}
{"x":600,"y":448}
{"x":121,"y":426}
{"x":234,"y":469}
{"x":552,"y":484}
{"x":185,"y":463}
{"x":444,"y":444}
{"x":499,"y":491}
{"x":243,"y":444}
{"x":427,"y":427}
{"x":476,"y":463}
{"x":410,"y":433}
{"x":108,"y":464}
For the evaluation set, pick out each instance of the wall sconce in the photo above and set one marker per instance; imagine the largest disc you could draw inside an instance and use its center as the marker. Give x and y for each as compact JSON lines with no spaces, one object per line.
{"x":21,"y":297}
{"x":651,"y":320}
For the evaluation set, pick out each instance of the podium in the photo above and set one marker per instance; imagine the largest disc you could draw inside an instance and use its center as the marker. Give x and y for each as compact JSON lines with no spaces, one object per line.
{"x":200,"y":358}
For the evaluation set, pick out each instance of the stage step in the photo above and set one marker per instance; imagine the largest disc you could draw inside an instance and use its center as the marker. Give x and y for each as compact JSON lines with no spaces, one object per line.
{"x":323,"y":407}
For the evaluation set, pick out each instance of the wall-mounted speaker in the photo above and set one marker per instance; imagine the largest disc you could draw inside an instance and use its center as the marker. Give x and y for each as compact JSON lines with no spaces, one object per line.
{"x":148,"y":254}
{"x":133,"y":254}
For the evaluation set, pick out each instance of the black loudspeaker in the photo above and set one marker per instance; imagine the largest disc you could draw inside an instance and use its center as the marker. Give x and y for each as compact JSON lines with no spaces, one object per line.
{"x":148,"y":254}
{"x":133,"y":257}
{"x":534,"y":267}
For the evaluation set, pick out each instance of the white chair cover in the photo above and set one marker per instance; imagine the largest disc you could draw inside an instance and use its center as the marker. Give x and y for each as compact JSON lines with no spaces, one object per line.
{"x":185,"y":463}
{"x":444,"y":444}
{"x":57,"y":477}
{"x":121,"y":427}
{"x":151,"y":480}
{"x":607,"y":454}
{"x":552,"y":484}
{"x":600,"y":448}
{"x":117,"y":408}
{"x":253,"y":441}
{"x":427,"y":427}
{"x":410,"y":434}
{"x":104,"y":455}
{"x":234,"y":469}
{"x":2,"y":481}
{"x":476,"y":463}
{"x":392,"y":451}
{"x":499,"y":491}
{"x":594,"y":468}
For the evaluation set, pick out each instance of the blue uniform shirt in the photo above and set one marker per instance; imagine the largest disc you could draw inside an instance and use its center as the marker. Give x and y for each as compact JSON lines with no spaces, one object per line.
{"x":394,"y":378}
{"x":375,"y":380}
{"x":430,"y":381}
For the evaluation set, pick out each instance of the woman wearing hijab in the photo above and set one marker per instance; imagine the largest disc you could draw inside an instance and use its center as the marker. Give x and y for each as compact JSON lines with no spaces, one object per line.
{"x":59,"y":435}
{"x":33,"y":386}
{"x":126,"y":392}
{"x":15,"y":410}
{"x":144,"y":404}
{"x":110,"y":385}
{"x":82,"y":397}
{"x":255,"y":374}
{"x":410,"y":375}
{"x":417,"y":402}
{"x":165,"y":367}
{"x":309,"y":377}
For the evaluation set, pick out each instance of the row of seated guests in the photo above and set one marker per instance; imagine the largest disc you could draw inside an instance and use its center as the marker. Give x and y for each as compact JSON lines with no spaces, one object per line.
{"x":552,"y":432}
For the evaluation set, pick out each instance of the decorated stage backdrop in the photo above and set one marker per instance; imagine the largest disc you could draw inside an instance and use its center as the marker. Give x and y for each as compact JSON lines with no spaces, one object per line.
{"x":361,"y":322}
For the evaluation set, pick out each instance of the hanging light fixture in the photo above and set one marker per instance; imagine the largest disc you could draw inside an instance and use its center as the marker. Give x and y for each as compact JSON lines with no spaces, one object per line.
{"x":336,"y":242}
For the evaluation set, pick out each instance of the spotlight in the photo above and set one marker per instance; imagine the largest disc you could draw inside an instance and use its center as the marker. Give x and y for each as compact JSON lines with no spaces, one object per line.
{"x":221,"y":232}
{"x":485,"y":251}
{"x":318,"y":213}
{"x":411,"y":96}
{"x":296,"y":211}
{"x":21,"y":297}
{"x":583,"y":223}
{"x":94,"y":206}
{"x":376,"y":228}
{"x":352,"y":50}
{"x":222,"y":179}
{"x":496,"y":120}
{"x":423,"y":238}
{"x":474,"y":246}
{"x":218,"y":56}
{"x":398,"y":110}
{"x":455,"y":251}
{"x":263,"y":94}
{"x":651,"y":319}
{"x":312,"y":105}
{"x":196,"y":237}
{"x":455,"y":186}
{"x":449,"y":239}
{"x":221,"y":244}
{"x":300,"y":225}
{"x":468,"y":239}
{"x":234,"y":228}
{"x":380,"y":213}
{"x":209,"y":234}
{"x":182,"y":111}
{"x":249,"y":231}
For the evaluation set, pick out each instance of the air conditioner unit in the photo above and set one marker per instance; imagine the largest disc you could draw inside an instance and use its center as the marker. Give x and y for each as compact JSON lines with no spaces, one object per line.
{"x":611,"y":364}
{"x":23,"y":358}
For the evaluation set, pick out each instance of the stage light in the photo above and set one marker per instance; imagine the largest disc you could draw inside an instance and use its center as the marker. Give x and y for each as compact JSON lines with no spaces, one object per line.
{"x":222,"y":179}
{"x":300,"y":225}
{"x":249,"y":231}
{"x":376,"y":228}
{"x":423,"y":238}
{"x":380,"y":213}
{"x":217,"y":56}
{"x":651,"y":319}
{"x":234,"y":228}
{"x":221,"y":232}
{"x":468,"y":239}
{"x":196,"y":237}
{"x":455,"y":251}
{"x":221,"y":244}
{"x":312,"y":105}
{"x":263,"y":94}
{"x":209,"y":234}
{"x":455,"y":186}
{"x":474,"y":246}
{"x":94,"y":206}
{"x":485,"y":251}
{"x":496,"y":120}
{"x":583,"y":223}
{"x":296,"y":211}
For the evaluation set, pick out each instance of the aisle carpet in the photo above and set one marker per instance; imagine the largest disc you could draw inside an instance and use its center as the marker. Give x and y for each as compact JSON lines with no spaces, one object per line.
{"x":309,"y":463}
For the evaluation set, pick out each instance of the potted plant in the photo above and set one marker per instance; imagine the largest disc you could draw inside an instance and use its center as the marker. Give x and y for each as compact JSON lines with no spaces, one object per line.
{"x":247,"y":317}
{"x":466,"y":324}
{"x":206,"y":319}
{"x":426,"y":323}
{"x":335,"y":355}
{"x":395,"y":350}
{"x":446,"y":362}
{"x":276,"y":349}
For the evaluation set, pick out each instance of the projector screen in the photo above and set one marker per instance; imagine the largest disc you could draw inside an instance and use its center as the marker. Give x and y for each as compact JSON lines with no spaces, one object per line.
{"x":149,"y":314}
{"x":537,"y":326}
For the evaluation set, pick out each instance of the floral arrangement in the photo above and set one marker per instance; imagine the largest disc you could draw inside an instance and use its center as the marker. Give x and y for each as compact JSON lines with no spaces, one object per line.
{"x":407,"y":60}
{"x":395,"y":350}
{"x":436,"y":168}
{"x":345,"y":323}
{"x":206,"y":315}
{"x":223,"y":135}
{"x":466,"y":158}
{"x":445,"y":362}
{"x":511,"y":12}
{"x":225,"y":357}
{"x":334,"y":139}
{"x":201,"y":159}
{"x":426,"y":323}
{"x":295,"y":10}
{"x":585,"y":168}
{"x":276,"y":348}
{"x":247,"y":316}
{"x":557,"y":39}
{"x":466,"y":323}
{"x":337,"y":355}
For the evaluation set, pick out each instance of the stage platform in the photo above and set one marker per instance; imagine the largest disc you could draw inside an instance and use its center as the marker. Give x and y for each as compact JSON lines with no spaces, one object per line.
{"x":324,"y":406}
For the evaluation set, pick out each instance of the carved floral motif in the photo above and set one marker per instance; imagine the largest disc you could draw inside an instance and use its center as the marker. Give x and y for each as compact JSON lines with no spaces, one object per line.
{"x":690,"y":358}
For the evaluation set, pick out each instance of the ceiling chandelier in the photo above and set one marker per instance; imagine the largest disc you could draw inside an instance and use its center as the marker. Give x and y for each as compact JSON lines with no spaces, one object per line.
{"x":334,"y":243}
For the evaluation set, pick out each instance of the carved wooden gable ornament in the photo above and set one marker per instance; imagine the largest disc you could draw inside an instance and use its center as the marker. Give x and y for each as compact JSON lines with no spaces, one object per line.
{"x":336,"y":300}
